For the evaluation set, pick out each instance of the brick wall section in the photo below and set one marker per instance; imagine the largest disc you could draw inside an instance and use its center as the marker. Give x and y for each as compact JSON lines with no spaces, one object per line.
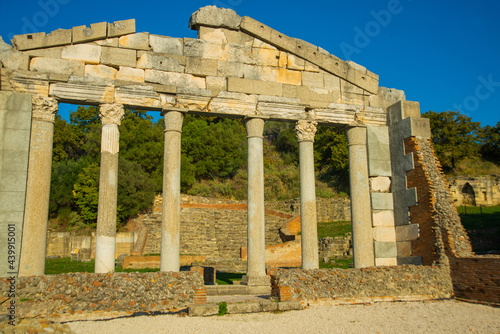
{"x":329,"y":284}
{"x":477,"y":278}
{"x":74,"y":292}
{"x":421,"y":213}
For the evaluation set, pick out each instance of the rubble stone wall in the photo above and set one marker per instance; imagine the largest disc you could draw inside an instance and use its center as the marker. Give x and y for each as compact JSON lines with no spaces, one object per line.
{"x":330,"y":284}
{"x":75,"y":292}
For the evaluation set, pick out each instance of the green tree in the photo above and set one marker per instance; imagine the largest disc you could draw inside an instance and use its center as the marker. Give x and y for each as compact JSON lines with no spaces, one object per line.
{"x":490,"y":149}
{"x":454,"y":137}
{"x":86,"y":193}
{"x":64,"y":176}
{"x":332,"y":157}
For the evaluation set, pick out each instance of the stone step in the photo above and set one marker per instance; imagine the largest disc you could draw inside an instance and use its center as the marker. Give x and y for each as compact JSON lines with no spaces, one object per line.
{"x":231,"y":290}
{"x":239,"y":308}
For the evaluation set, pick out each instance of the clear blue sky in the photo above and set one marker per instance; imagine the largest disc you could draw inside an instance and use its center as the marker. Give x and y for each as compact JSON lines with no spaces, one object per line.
{"x":444,"y":54}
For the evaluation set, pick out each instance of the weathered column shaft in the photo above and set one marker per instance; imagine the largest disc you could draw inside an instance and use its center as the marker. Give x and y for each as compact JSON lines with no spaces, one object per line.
{"x":111,"y":115}
{"x":256,"y":242}
{"x":36,"y":212}
{"x":305,"y":133}
{"x":360,"y":198}
{"x":170,"y":222}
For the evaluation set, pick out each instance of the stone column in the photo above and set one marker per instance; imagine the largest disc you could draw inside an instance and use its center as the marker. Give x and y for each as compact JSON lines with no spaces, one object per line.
{"x":360,"y":198}
{"x":170,"y":222}
{"x":306,"y":131}
{"x":36,"y":211}
{"x":111,"y":116}
{"x":256,"y":242}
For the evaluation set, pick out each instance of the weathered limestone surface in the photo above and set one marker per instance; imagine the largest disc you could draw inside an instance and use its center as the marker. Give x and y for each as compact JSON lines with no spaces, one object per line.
{"x":15,"y":125}
{"x":36,"y":212}
{"x":111,"y":116}
{"x":306,"y":130}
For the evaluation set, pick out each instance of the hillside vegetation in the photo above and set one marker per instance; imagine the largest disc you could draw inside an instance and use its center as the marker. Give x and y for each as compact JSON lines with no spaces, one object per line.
{"x":214,"y":160}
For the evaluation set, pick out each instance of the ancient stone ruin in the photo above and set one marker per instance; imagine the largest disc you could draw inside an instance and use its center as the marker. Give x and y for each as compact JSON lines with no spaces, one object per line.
{"x":240,"y":68}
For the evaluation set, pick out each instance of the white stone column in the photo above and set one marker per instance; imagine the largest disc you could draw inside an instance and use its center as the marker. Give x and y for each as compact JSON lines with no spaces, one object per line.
{"x":306,"y":131}
{"x":170,"y":222}
{"x":36,"y":211}
{"x":256,"y":242}
{"x":111,"y":116}
{"x":361,"y":220}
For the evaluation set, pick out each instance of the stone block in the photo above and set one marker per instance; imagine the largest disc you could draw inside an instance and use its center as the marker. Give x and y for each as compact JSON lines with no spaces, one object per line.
{"x":384,"y":233}
{"x":139,"y":41}
{"x":290,"y":91}
{"x":258,"y":43}
{"x":380,"y":184}
{"x":266,"y":57}
{"x":14,"y":60}
{"x":15,"y":119}
{"x":308,"y":52}
{"x":404,"y":248}
{"x":90,"y":54}
{"x":202,"y":49}
{"x":415,"y":260}
{"x":237,"y":53}
{"x":130,"y":74}
{"x":254,"y":87}
{"x":41,"y":40}
{"x":211,"y":16}
{"x":310,"y":67}
{"x":216,"y":84}
{"x":314,"y":80}
{"x":289,"y":306}
{"x":262,"y":73}
{"x":379,"y":158}
{"x":420,"y":127}
{"x":96,"y":31}
{"x":407,"y":232}
{"x":283,"y":60}
{"x":54,"y":52}
{"x":15,"y":139}
{"x":362,"y":80}
{"x":230,"y":69}
{"x":385,"y":249}
{"x":334,"y":65}
{"x":62,"y":66}
{"x":83,"y":93}
{"x":256,"y":28}
{"x":118,"y":57}
{"x":15,"y":160}
{"x":111,"y":42}
{"x":15,"y":102}
{"x":12,"y":201}
{"x":307,"y":94}
{"x":390,"y":261}
{"x":120,"y":28}
{"x":295,"y":63}
{"x":214,"y":35}
{"x":382,"y":201}
{"x":383,"y":218}
{"x":331,"y":82}
{"x":175,"y":79}
{"x":283,"y":42}
{"x":160,"y":62}
{"x":269,"y":306}
{"x":411,"y":109}
{"x":201,"y":67}
{"x":163,"y":44}
{"x":12,"y":181}
{"x":203,"y":310}
{"x":288,"y":76}
{"x":239,"y":308}
{"x":101,"y":71}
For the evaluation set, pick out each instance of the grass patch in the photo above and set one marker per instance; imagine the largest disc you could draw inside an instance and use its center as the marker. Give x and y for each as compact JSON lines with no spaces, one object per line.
{"x":344,"y":263}
{"x":65,"y":265}
{"x":483,"y":227}
{"x":333,"y":229}
{"x":227,"y":278}
{"x":222,"y":308}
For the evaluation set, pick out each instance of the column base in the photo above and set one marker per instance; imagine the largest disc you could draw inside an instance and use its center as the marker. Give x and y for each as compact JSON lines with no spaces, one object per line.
{"x":256,"y":280}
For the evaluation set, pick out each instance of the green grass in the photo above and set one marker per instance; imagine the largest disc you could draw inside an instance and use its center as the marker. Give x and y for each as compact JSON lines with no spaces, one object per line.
{"x":483,"y":228}
{"x":65,"y":265}
{"x":343,"y":263}
{"x":228,"y":278}
{"x":333,"y":229}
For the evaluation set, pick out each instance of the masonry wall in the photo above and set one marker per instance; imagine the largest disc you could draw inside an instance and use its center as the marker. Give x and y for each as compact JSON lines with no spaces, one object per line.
{"x":485,"y":190}
{"x":15,"y":126}
{"x":84,"y":292}
{"x":419,"y":282}
{"x":327,"y":209}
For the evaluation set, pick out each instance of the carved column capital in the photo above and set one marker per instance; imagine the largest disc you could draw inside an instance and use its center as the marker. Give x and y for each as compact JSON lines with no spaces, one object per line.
{"x":111,"y":113}
{"x":306,"y":130}
{"x":44,"y":108}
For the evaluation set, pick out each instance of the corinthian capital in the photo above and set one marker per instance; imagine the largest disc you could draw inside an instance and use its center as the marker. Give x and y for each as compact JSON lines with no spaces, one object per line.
{"x":306,"y":130}
{"x":44,"y":108}
{"x":111,"y":113}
